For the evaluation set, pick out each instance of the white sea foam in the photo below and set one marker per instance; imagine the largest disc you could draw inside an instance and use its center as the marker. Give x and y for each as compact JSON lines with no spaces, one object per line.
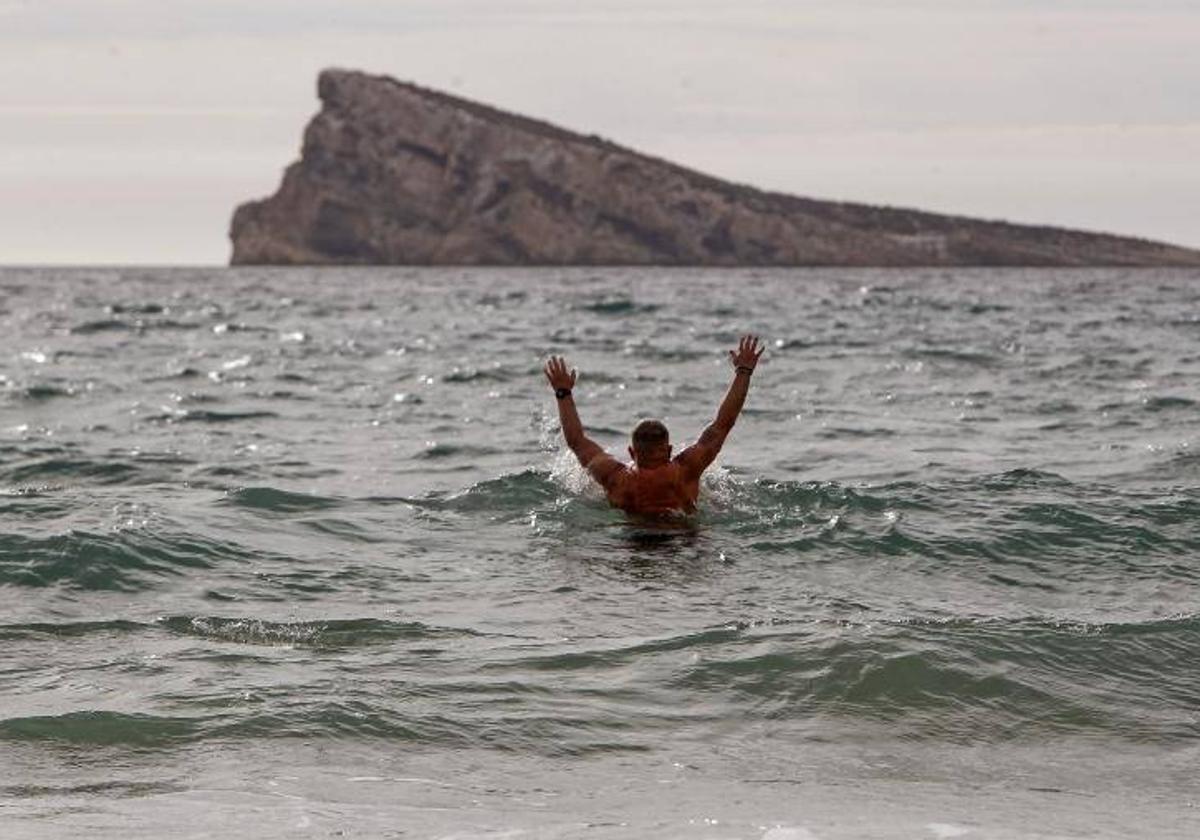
{"x":782,"y":832}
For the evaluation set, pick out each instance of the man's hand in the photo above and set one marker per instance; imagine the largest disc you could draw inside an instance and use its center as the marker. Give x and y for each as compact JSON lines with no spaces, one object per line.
{"x":558,"y":375}
{"x":747,"y":353}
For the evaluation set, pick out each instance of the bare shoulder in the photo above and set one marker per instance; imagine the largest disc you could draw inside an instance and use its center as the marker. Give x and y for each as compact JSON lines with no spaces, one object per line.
{"x":606,"y":469}
{"x":695,"y":459}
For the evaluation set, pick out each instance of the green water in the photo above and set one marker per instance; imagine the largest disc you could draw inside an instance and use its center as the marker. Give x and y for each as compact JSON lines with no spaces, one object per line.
{"x":298,"y":553}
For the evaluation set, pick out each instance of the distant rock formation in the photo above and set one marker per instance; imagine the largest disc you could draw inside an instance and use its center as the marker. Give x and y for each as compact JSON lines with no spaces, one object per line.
{"x":392,"y":173}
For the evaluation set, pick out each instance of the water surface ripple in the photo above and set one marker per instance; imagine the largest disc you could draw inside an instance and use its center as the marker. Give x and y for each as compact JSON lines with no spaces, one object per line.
{"x":259,"y":512}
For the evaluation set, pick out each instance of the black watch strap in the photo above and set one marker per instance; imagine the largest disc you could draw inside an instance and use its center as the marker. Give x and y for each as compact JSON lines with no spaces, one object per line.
{"x":562,"y":393}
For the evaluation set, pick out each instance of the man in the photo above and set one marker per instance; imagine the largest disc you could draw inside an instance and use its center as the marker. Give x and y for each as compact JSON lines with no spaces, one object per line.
{"x":655,"y":483}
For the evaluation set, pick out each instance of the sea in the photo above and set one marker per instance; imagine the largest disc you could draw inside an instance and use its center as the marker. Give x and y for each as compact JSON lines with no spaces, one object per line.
{"x":299,"y":552}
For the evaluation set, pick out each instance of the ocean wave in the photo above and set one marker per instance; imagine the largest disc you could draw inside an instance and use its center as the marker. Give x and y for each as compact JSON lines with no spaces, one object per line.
{"x":544,"y":733}
{"x":1030,"y":523}
{"x":59,"y":469}
{"x":110,"y":789}
{"x":517,"y":492}
{"x":960,"y":680}
{"x":953,"y":355}
{"x":44,"y":631}
{"x":1020,"y":528}
{"x":989,"y":680}
{"x":1168,"y":403}
{"x":126,"y":560}
{"x":136,"y":324}
{"x":495,"y":373}
{"x":136,"y":308}
{"x":844,"y":432}
{"x":451,"y":450}
{"x":336,"y":633}
{"x":102,"y":729}
{"x":323,"y":634}
{"x":41,"y":392}
{"x":273,"y":500}
{"x":196,"y":415}
{"x":102,"y":325}
{"x":40,"y":470}
{"x":617,"y":305}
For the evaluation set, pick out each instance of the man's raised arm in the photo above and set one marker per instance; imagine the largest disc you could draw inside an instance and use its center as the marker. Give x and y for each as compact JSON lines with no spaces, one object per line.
{"x":595,"y":460}
{"x":703,"y":452}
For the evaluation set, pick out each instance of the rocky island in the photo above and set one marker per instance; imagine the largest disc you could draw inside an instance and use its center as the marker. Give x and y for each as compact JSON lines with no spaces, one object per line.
{"x":392,"y":173}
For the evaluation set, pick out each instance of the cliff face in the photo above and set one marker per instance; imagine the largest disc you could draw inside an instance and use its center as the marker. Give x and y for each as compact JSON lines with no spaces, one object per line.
{"x":394,"y":174}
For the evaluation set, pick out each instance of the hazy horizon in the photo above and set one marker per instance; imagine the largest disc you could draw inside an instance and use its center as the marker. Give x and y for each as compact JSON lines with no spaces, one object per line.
{"x":131,"y":131}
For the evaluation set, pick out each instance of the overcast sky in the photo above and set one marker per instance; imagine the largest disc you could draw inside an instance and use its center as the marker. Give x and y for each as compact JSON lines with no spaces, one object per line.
{"x":130,"y":129}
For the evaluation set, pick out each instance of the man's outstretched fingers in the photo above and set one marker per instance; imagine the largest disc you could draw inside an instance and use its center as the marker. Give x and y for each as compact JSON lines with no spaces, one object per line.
{"x":557,"y":373}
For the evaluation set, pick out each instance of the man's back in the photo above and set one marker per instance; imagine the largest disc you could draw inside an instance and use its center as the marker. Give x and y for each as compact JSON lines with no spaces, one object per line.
{"x":664,"y":489}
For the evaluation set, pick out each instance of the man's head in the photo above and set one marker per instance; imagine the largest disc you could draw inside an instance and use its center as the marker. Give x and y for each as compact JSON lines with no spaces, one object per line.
{"x":651,"y":444}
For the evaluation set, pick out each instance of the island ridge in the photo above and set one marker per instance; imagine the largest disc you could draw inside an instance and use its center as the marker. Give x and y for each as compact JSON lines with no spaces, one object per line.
{"x":392,"y":173}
